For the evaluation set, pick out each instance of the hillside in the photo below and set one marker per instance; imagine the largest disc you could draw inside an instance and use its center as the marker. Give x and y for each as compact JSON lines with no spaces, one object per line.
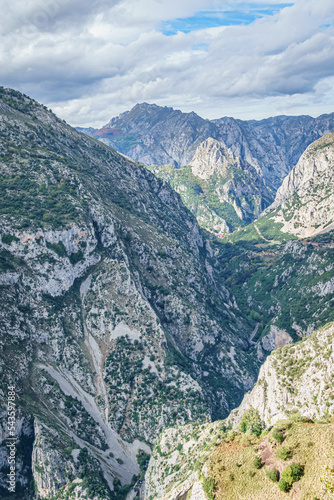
{"x":304,"y":204}
{"x":214,"y":461}
{"x":223,"y":191}
{"x":113,"y":315}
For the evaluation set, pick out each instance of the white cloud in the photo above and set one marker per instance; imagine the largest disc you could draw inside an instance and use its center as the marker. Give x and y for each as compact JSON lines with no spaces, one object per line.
{"x":90,"y":60}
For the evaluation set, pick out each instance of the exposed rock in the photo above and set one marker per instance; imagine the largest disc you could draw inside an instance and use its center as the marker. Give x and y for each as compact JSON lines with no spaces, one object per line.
{"x":275,"y":339}
{"x":294,"y":378}
{"x":305,"y":201}
{"x":155,"y":135}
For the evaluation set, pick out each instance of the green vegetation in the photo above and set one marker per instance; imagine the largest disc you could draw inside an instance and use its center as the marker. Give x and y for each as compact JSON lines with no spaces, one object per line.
{"x":22,"y":197}
{"x":201,"y":196}
{"x":8,"y":238}
{"x":283,"y":453}
{"x":273,"y":475}
{"x":143,"y":459}
{"x":290,"y":475}
{"x":251,"y":421}
{"x":278,"y":435}
{"x":92,"y":478}
{"x":232,"y":471}
{"x":58,"y":248}
{"x":258,"y":463}
{"x":208,"y":487}
{"x":263,"y":230}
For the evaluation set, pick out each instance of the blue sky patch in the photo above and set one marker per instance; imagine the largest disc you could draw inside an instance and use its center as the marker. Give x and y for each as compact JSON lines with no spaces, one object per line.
{"x":244,"y":15}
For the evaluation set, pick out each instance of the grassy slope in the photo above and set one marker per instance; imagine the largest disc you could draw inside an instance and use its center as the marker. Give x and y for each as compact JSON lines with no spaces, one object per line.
{"x":231,"y":464}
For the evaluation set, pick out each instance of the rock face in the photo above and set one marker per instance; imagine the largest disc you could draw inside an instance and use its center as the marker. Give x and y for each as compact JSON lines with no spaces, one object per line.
{"x":154,"y":135}
{"x":112,"y":308}
{"x":213,"y":157}
{"x":294,"y":378}
{"x":223,"y":191}
{"x":176,"y":463}
{"x":295,"y":381}
{"x":233,"y":179}
{"x":305,"y":201}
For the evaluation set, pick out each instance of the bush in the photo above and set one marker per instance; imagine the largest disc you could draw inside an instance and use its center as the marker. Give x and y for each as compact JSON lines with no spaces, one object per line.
{"x":208,"y":487}
{"x":251,"y":421}
{"x":258,"y":462}
{"x":8,"y":238}
{"x":278,"y":435}
{"x":293,"y":473}
{"x":273,"y":475}
{"x":284,"y":486}
{"x":283,"y":453}
{"x":76,"y":257}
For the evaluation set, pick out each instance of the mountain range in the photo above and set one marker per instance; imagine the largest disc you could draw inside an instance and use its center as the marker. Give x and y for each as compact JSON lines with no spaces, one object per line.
{"x":121,"y":316}
{"x":155,"y":135}
{"x":249,"y":159}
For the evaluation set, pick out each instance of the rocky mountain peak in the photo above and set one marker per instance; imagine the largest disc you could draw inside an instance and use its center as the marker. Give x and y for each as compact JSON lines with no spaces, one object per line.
{"x":212,"y":157}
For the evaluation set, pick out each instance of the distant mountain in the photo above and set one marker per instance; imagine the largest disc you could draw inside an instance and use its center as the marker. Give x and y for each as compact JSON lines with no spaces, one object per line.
{"x":304,"y":204}
{"x":153,"y":135}
{"x":222,"y":190}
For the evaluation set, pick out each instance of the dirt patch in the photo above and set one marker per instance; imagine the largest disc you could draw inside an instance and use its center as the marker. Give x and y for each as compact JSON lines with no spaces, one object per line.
{"x":268,"y":455}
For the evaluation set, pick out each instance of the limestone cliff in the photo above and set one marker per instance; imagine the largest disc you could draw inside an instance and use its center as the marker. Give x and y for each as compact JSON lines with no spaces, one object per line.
{"x":297,"y":377}
{"x":112,"y":311}
{"x":305,"y":200}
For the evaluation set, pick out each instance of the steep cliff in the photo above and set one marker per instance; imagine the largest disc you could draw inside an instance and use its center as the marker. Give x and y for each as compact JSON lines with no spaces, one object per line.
{"x":305,"y":200}
{"x":114,"y":321}
{"x":297,"y":377}
{"x":294,"y":392}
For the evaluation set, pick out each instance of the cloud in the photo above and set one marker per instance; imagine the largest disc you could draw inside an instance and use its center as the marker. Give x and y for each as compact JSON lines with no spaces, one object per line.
{"x":92,"y":60}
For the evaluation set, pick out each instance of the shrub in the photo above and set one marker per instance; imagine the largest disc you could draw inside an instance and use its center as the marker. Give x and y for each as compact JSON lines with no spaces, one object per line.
{"x":8,"y":238}
{"x":292,"y":473}
{"x":76,"y":257}
{"x":273,"y":475}
{"x":284,"y":486}
{"x":251,"y":421}
{"x":59,"y":248}
{"x":208,"y":487}
{"x":278,"y":435}
{"x":283,"y":453}
{"x":258,"y":462}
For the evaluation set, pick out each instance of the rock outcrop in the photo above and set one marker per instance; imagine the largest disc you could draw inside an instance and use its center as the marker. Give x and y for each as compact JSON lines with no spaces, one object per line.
{"x":294,"y":378}
{"x":305,"y":200}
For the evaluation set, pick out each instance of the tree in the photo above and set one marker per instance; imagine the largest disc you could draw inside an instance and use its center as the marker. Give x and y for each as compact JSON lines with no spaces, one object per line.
{"x":292,"y":473}
{"x":251,"y":421}
{"x":284,"y":486}
{"x":283,"y":453}
{"x":278,"y":435}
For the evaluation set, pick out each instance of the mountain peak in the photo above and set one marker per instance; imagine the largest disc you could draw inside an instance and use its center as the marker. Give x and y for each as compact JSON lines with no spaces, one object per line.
{"x":212,"y":157}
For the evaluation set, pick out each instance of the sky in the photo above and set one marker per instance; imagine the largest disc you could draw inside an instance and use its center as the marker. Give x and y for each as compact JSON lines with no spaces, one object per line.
{"x":92,"y":60}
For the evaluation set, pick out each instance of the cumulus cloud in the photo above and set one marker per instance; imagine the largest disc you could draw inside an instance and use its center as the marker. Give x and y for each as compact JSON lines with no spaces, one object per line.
{"x":92,"y":60}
